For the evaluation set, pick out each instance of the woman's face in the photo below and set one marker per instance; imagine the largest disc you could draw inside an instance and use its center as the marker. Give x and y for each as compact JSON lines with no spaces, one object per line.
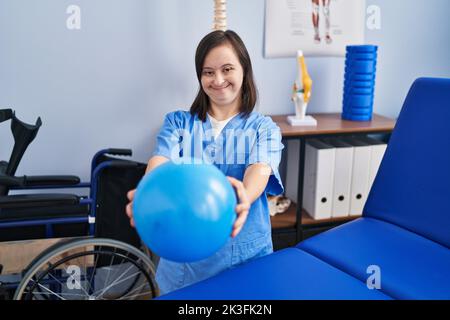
{"x":222,"y":76}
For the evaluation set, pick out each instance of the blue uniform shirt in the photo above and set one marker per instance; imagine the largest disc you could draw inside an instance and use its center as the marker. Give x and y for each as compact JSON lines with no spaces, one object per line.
{"x":245,"y":140}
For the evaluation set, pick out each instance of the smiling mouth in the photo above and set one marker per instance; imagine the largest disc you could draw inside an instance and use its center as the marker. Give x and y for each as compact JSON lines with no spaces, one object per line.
{"x":220,"y":88}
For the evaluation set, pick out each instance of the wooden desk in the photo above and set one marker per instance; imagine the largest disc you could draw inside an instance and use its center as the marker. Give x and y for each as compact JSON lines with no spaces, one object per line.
{"x":295,"y":219}
{"x":332,"y":124}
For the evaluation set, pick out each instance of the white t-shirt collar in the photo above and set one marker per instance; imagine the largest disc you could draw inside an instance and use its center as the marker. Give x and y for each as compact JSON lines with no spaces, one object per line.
{"x":218,"y":125}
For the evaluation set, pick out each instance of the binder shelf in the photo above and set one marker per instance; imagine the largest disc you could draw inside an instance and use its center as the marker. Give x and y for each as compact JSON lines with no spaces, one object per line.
{"x":295,"y":224}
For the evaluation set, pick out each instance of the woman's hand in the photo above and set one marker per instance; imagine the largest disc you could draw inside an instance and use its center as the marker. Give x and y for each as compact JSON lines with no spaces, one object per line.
{"x":242,"y":208}
{"x":154,"y":162}
{"x":129,"y":208}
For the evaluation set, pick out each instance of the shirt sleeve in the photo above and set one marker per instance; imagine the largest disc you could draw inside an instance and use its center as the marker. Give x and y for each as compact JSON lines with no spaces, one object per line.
{"x":267,"y":149}
{"x":168,"y":139}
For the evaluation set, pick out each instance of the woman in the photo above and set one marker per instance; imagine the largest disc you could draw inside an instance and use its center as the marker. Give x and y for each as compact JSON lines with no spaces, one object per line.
{"x":221,"y":128}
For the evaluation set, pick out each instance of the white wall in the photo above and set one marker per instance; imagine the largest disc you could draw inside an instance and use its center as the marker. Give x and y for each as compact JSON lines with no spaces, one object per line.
{"x":110,"y":83}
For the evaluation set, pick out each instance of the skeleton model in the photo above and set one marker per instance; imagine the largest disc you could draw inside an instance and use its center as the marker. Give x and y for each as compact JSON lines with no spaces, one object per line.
{"x":301,"y":94}
{"x":220,"y":15}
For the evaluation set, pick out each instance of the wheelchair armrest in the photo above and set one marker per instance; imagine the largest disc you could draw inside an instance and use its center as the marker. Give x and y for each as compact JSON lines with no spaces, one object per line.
{"x":37,"y":200}
{"x":33,"y":181}
{"x":9,"y":181}
{"x":119,"y":152}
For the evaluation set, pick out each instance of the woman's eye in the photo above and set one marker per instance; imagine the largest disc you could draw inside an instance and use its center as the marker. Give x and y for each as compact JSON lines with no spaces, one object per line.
{"x":208,"y":73}
{"x":226,"y":70}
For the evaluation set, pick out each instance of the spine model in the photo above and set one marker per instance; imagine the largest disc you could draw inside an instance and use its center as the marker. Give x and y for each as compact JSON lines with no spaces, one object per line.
{"x":220,"y":15}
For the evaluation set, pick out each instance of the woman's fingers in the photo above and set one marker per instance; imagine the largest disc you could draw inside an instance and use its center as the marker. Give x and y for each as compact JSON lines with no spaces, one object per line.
{"x":240,"y":190}
{"x":130,"y":194}
{"x":242,"y":208}
{"x":242,"y":217}
{"x":236,"y":232}
{"x":242,"y":211}
{"x":240,"y":221}
{"x":129,"y":207}
{"x":129,"y":210}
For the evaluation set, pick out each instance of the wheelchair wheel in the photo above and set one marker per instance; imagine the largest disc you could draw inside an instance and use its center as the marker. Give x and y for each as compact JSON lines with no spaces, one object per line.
{"x":89,"y":269}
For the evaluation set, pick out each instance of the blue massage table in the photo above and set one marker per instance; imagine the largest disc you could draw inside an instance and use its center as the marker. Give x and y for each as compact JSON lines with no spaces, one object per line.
{"x":404,"y":230}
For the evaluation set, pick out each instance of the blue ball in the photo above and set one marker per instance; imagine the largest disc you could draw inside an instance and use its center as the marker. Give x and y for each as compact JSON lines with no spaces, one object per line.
{"x":184,"y":212}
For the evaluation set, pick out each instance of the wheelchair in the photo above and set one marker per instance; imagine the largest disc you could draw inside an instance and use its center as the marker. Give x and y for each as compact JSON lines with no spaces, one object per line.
{"x":97,"y":256}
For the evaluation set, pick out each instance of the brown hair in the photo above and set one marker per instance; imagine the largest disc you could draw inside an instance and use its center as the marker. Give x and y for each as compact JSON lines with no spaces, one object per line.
{"x":248,"y":91}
